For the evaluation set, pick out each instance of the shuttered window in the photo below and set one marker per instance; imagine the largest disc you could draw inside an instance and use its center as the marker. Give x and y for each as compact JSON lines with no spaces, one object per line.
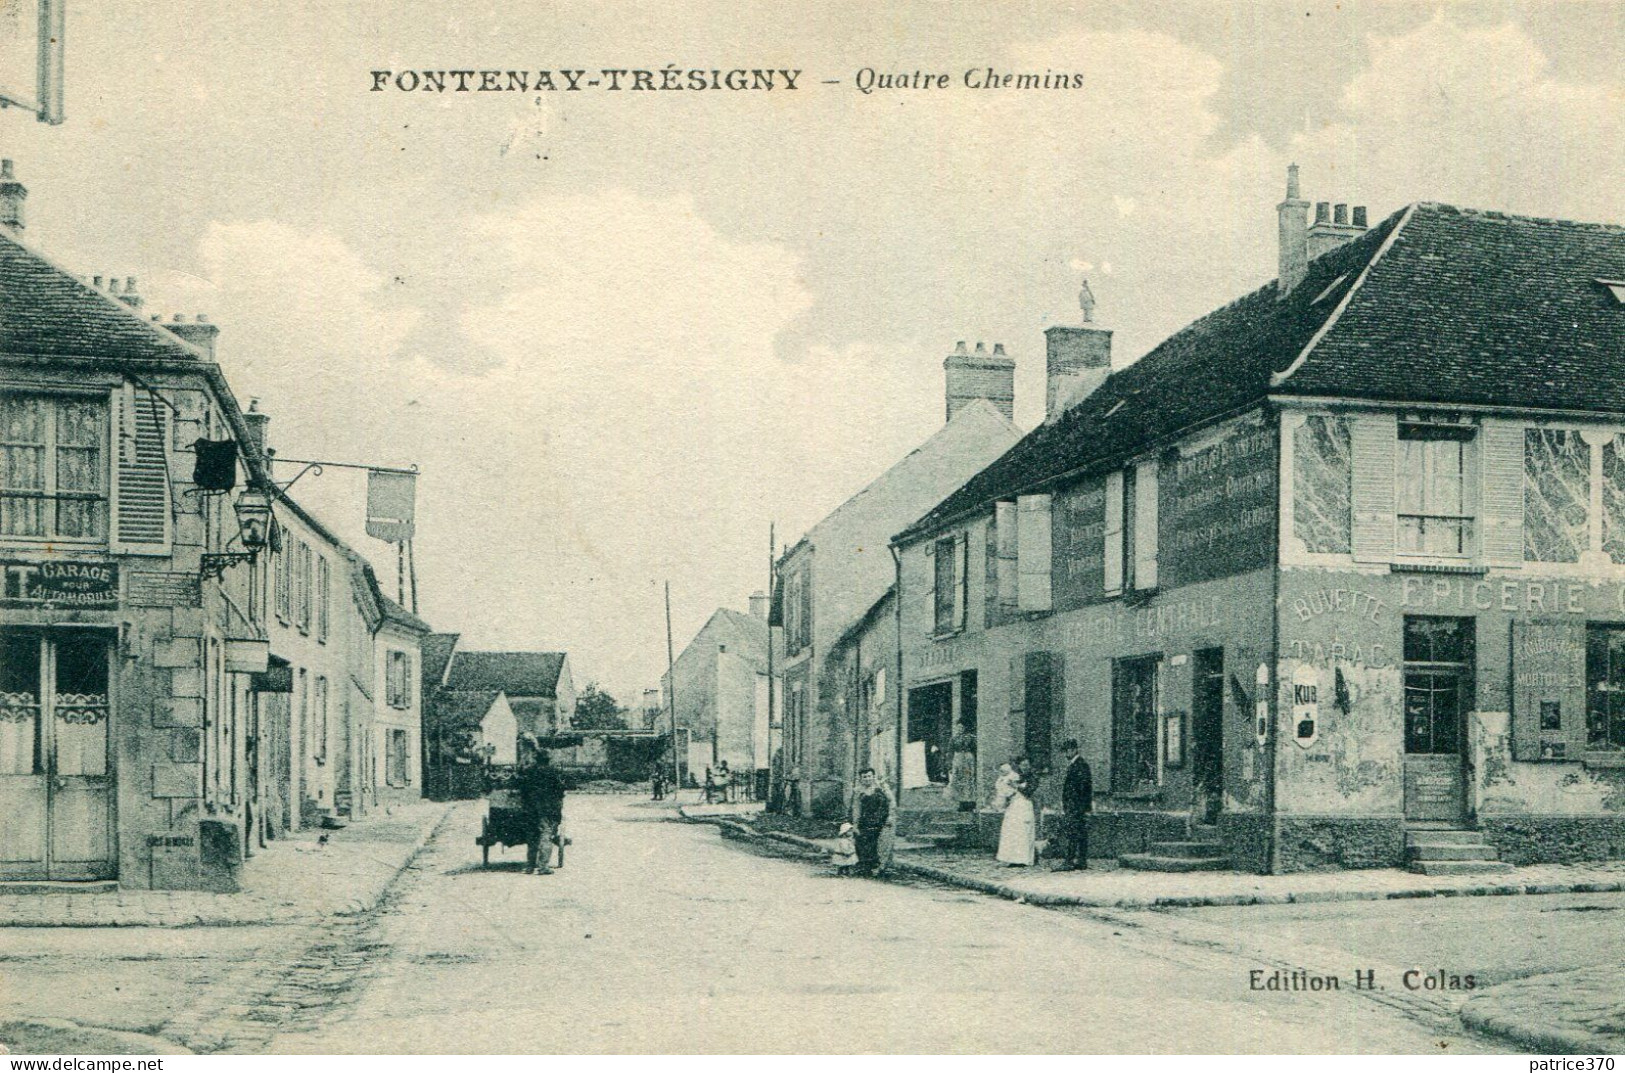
{"x":284,"y":583}
{"x":1034,"y":539}
{"x":323,"y":598}
{"x":141,"y":502}
{"x":53,"y":467}
{"x":1114,"y":533}
{"x":1007,"y":564}
{"x":1374,"y":439}
{"x":1145,"y":525}
{"x":949,"y":570}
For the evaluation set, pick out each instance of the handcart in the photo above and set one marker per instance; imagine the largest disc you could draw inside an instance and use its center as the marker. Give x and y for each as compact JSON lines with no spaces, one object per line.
{"x":506,"y":824}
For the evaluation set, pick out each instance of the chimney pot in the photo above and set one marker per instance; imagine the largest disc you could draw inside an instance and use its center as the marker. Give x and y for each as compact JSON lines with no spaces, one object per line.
{"x":998,"y":348}
{"x":5,"y":170}
{"x":758,"y":605}
{"x":1323,"y":211}
{"x":179,"y":318}
{"x":959,"y":347}
{"x":981,"y":348}
{"x":1292,"y":182}
{"x":1359,"y":216}
{"x":96,"y":281}
{"x":980,"y":376}
{"x":257,"y":423}
{"x":1340,"y":214}
{"x":112,"y":285}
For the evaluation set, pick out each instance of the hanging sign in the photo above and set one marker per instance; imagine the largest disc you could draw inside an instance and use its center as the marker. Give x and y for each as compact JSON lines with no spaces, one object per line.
{"x":391,"y":505}
{"x":1305,"y":705}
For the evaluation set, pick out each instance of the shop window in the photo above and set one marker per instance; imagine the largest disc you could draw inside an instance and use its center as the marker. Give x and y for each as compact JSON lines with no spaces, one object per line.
{"x":1322,"y":476}
{"x":397,"y":766}
{"x":1431,"y":490}
{"x":1135,"y":703}
{"x":53,"y":467}
{"x":1556,"y":495}
{"x":398,"y":680}
{"x":1438,"y":680}
{"x":1605,"y":687}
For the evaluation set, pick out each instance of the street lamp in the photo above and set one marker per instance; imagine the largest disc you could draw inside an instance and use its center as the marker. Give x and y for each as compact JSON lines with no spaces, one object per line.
{"x":253,"y":508}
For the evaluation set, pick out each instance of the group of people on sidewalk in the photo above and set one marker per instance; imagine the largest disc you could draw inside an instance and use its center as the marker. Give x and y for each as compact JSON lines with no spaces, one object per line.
{"x":1014,"y":794}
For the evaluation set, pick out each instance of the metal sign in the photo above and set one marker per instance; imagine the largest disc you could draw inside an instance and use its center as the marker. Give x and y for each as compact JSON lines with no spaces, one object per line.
{"x":1261,"y":704}
{"x":1305,"y":705}
{"x":59,"y":585}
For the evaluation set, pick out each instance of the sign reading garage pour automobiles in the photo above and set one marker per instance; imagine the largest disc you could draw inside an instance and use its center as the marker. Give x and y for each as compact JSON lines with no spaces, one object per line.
{"x":60,"y":585}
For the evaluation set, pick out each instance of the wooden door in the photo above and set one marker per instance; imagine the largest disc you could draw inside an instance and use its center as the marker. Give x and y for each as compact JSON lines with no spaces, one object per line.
{"x":1438,"y":686}
{"x":24,"y":758}
{"x":1207,"y":733}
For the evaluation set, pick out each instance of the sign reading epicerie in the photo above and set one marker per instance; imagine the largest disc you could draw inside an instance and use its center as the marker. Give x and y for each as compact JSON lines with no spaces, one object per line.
{"x":59,"y":585}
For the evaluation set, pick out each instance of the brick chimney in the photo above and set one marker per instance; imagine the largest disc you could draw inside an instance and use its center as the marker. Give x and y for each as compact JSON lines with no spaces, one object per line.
{"x":758,"y":605}
{"x":12,"y":196}
{"x":1293,"y":217}
{"x":1332,"y":227}
{"x":199,"y":333}
{"x":980,"y":375}
{"x":1077,"y":360}
{"x":257,"y":426}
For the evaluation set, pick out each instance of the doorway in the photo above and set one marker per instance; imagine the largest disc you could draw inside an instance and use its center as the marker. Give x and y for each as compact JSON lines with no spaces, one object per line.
{"x":1438,"y":695}
{"x":56,"y":783}
{"x":930,"y":722}
{"x":1207,"y":734}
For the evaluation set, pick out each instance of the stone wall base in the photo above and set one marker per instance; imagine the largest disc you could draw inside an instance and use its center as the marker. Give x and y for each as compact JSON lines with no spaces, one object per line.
{"x":1311,"y":843}
{"x":1247,"y":838}
{"x":1555,"y":839}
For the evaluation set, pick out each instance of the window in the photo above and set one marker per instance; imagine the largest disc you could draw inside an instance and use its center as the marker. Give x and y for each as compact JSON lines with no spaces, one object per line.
{"x":949,"y":570}
{"x":1605,"y":687}
{"x":322,"y":599}
{"x":1135,"y":703}
{"x":284,"y":579}
{"x":397,"y":758}
{"x":797,"y":610}
{"x":1431,"y":489}
{"x":301,"y":587}
{"x":1438,"y":680}
{"x":398,"y":680}
{"x":53,"y":467}
{"x":321,"y":718}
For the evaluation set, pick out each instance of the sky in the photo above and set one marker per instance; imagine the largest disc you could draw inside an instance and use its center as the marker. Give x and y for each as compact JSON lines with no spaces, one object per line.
{"x":622,"y":333}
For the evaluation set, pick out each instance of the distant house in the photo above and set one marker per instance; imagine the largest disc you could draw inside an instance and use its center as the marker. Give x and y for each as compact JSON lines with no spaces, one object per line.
{"x":721,"y":695}
{"x":474,"y":700}
{"x":538,"y":686}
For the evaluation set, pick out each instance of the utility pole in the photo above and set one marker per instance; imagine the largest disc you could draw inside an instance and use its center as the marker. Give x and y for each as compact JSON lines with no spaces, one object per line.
{"x":770,"y":670}
{"x":671,"y":693}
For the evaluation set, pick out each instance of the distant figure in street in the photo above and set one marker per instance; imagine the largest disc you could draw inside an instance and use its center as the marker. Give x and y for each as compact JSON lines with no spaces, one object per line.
{"x":541,"y":795}
{"x":725,"y":781}
{"x":871,"y":819}
{"x":657,"y":780}
{"x":845,"y":854}
{"x":1078,"y":800}
{"x":1018,"y":835}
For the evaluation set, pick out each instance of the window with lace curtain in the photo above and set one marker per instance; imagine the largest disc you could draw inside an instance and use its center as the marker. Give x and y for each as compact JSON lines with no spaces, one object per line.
{"x":53,"y":467}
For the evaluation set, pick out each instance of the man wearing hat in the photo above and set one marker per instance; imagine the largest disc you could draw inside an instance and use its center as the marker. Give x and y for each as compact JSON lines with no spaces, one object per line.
{"x":541,"y":795}
{"x":1078,"y":799}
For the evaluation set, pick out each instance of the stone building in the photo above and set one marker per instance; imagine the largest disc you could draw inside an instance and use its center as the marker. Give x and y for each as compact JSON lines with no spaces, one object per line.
{"x":840,"y":568}
{"x":722,"y":694}
{"x":1332,"y":576}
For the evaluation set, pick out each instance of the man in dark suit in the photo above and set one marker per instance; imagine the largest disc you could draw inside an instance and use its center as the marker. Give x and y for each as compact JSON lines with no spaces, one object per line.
{"x":1078,"y":800}
{"x":541,"y":794}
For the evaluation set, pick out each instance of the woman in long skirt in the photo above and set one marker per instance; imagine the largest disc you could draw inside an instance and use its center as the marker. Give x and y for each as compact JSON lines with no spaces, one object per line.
{"x":1018,"y":835}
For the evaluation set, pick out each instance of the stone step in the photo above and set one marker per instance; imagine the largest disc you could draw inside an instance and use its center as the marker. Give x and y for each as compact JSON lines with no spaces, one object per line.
{"x":1452,"y":851}
{"x":1459,"y":868}
{"x":1194,"y":850}
{"x":1442,"y":835}
{"x":1151,"y":862}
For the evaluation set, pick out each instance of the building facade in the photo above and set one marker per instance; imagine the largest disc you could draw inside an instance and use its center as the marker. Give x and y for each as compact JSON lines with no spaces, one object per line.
{"x":832,"y":577}
{"x":722,"y":693}
{"x":1327,"y":570}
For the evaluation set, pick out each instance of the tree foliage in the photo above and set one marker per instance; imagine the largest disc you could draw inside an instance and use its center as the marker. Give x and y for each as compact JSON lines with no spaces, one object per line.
{"x":597,"y":710}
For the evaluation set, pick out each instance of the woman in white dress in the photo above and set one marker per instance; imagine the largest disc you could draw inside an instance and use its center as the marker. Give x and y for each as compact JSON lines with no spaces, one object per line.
{"x":1019,"y":833}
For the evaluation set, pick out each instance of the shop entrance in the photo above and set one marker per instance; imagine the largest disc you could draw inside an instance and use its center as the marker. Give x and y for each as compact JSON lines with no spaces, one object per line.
{"x":56,"y":786}
{"x":1207,"y":733}
{"x":931,"y":721}
{"x":1438,"y":695}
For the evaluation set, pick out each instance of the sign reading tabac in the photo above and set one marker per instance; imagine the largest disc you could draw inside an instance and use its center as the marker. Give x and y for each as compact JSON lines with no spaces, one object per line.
{"x":59,"y":585}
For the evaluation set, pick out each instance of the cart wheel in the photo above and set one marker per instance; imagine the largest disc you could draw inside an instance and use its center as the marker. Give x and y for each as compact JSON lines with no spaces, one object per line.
{"x":485,"y":842}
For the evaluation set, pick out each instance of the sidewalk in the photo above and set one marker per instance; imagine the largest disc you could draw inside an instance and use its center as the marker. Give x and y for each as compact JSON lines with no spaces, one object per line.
{"x":296,"y":878}
{"x":1577,"y":1012}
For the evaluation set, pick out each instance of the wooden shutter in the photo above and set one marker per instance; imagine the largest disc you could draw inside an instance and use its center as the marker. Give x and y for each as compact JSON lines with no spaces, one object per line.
{"x":931,"y":592}
{"x":1374,"y":439}
{"x":1008,"y":563}
{"x":1114,"y":533}
{"x":1034,"y":537}
{"x":1145,"y":525}
{"x":1548,"y":668}
{"x":961,"y":577}
{"x":141,"y":523}
{"x":1501,"y":455}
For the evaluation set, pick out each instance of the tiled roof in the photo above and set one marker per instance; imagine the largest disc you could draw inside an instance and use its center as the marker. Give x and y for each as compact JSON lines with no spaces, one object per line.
{"x":399,"y":615}
{"x":463,"y":709}
{"x":1442,"y":305}
{"x":1215,"y":366}
{"x":1481,"y":308}
{"x":47,"y":310}
{"x":437,"y":650}
{"x":518,"y":674}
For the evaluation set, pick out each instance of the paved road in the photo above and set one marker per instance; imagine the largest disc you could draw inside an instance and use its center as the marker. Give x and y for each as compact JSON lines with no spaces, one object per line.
{"x":660,"y":936}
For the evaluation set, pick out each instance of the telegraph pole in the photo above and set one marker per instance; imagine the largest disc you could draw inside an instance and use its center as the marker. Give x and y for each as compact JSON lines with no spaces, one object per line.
{"x":671,"y":693}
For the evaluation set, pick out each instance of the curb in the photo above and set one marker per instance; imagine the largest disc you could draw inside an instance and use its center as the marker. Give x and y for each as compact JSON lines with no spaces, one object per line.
{"x":1541,"y":1040}
{"x":362,"y":906}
